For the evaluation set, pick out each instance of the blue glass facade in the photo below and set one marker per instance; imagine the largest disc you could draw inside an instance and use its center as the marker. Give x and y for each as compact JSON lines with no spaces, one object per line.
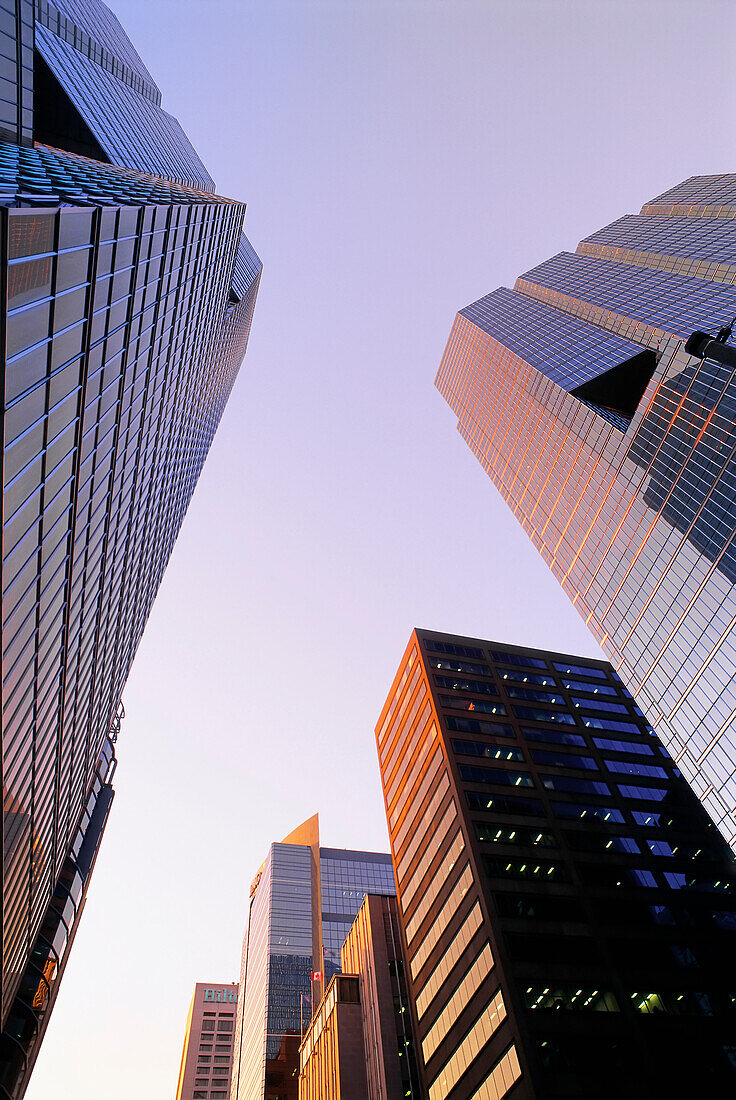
{"x":626,"y":483}
{"x":303,"y":903}
{"x":68,"y":40}
{"x":128,"y":294}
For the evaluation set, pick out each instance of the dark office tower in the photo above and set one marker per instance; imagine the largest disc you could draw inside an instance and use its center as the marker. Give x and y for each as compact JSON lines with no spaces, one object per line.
{"x":616,"y":451}
{"x":568,"y":908}
{"x":127,"y":295}
{"x":302,"y":904}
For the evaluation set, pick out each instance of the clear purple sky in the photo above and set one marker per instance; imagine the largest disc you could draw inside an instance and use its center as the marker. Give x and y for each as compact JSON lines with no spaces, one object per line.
{"x":399,"y":158}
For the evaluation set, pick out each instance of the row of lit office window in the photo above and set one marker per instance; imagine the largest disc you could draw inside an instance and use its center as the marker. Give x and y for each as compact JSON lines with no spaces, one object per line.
{"x":586,"y":999}
{"x":603,"y":875}
{"x":570,"y":784}
{"x":533,"y":694}
{"x":536,"y":714}
{"x":568,"y":759}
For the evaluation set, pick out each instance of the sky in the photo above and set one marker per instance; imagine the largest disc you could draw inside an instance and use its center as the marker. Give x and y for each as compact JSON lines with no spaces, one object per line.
{"x":399,"y":159}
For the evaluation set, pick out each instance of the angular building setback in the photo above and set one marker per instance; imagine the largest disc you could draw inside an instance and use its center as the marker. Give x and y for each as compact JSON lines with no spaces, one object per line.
{"x":206,"y":1060}
{"x":128,"y":293}
{"x":616,"y":451}
{"x":303,"y":902}
{"x":568,"y":910}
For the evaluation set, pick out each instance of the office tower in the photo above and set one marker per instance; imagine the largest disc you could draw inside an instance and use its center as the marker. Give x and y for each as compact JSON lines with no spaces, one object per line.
{"x":206,"y":1061}
{"x":616,"y":451}
{"x":359,"y":1044}
{"x":568,"y":909}
{"x":129,"y":291}
{"x":303,"y":901}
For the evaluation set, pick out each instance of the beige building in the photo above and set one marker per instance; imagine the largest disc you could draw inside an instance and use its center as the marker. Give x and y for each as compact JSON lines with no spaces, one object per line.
{"x":207,"y":1057}
{"x":358,"y":1045}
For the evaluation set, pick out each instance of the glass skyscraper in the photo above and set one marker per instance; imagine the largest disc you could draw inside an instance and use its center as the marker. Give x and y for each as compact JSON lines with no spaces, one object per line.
{"x":567,"y":908}
{"x":128,"y":293}
{"x":616,"y":451}
{"x":303,"y":903}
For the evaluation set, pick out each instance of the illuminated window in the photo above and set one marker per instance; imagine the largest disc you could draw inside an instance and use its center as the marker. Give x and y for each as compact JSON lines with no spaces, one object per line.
{"x":569,"y":998}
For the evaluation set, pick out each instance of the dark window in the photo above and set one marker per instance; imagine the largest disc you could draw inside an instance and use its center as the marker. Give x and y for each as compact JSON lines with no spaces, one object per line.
{"x":699,"y":882}
{"x":540,"y":907}
{"x":612,"y":724}
{"x":581,"y":670}
{"x":601,"y":874}
{"x":498,"y":804}
{"x":726,"y":919}
{"x":349,"y":992}
{"x":459,"y":666}
{"x":564,"y":759}
{"x":569,"y":999}
{"x":572,"y":810}
{"x":451,"y":649}
{"x":472,"y":704}
{"x":629,"y":767}
{"x":600,"y":842}
{"x":495,"y":775}
{"x":519,"y":659}
{"x":600,"y":704}
{"x":564,"y":950}
{"x":461,"y":684}
{"x":639,"y":748}
{"x":510,"y":834}
{"x":655,"y":794}
{"x":597,"y":689}
{"x":535,"y":696}
{"x":537,"y":715}
{"x":576,"y":786}
{"x":495,"y":752}
{"x":554,"y":737}
{"x":541,"y":679}
{"x":475,"y":725}
{"x":540,"y":870}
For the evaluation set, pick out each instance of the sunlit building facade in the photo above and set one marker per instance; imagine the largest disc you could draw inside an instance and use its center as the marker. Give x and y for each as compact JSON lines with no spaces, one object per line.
{"x":129,"y":290}
{"x":359,"y":1044}
{"x":207,"y":1056}
{"x":303,"y":902}
{"x":568,"y":909}
{"x":616,"y":451}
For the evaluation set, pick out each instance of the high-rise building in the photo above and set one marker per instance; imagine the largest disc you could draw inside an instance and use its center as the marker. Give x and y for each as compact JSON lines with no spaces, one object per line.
{"x":128,"y":295}
{"x":616,"y":451}
{"x":303,"y":901}
{"x":207,"y":1057}
{"x":567,"y":907}
{"x":359,"y":1044}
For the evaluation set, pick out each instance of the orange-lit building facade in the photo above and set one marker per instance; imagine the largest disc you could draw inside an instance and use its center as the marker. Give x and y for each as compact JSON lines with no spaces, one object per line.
{"x":207,"y":1057}
{"x":616,"y":451}
{"x":359,"y":1044}
{"x":567,"y":908}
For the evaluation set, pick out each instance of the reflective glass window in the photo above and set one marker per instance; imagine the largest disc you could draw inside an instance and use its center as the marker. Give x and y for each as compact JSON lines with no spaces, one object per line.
{"x":564,"y":759}
{"x":574,"y":810}
{"x":581,"y":670}
{"x":498,"y":804}
{"x":576,"y":786}
{"x":553,"y":737}
{"x":475,"y":725}
{"x":494,"y":752}
{"x":495,"y":775}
